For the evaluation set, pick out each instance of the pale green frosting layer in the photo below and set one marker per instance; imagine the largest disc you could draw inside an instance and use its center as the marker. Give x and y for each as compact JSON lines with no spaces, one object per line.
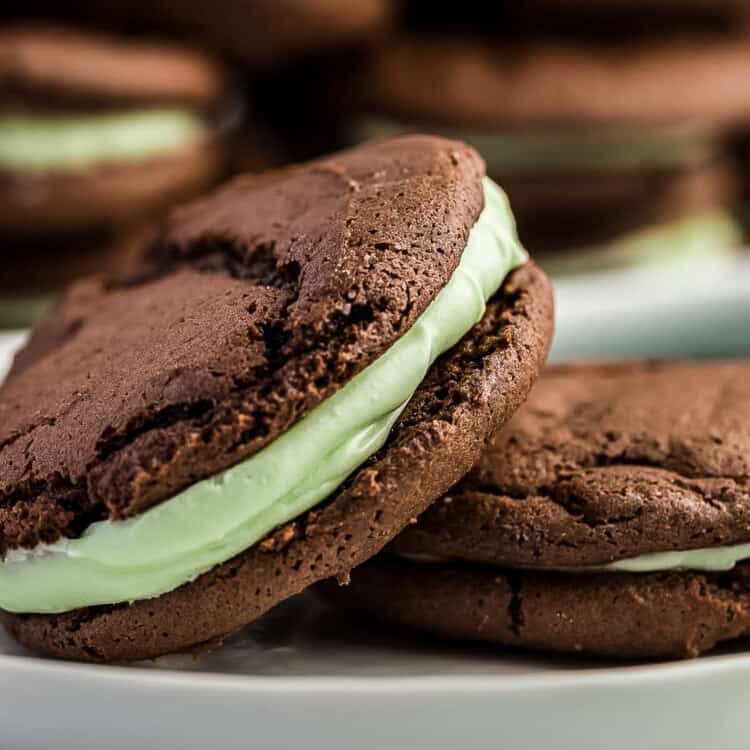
{"x":702,"y":236}
{"x":705,"y":559}
{"x":709,"y":559}
{"x":61,"y":142}
{"x":24,"y":311}
{"x":561,"y":151}
{"x":217,"y":518}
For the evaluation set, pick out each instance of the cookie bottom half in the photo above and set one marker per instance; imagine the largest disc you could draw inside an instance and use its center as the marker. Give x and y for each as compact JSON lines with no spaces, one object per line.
{"x":670,"y":615}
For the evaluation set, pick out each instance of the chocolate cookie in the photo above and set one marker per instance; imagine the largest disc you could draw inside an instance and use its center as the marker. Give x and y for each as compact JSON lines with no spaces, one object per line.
{"x":610,"y":517}
{"x":474,"y":83}
{"x":266,"y":35}
{"x":618,"y":616}
{"x":97,"y":135}
{"x":260,"y":35}
{"x":270,"y":415}
{"x":563,"y":123}
{"x":96,"y":130}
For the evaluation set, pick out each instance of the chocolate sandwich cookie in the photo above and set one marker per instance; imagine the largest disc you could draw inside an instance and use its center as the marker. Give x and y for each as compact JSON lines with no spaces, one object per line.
{"x":257,"y":34}
{"x":97,"y":135}
{"x":570,"y":125}
{"x":611,"y":517}
{"x":266,"y":35}
{"x":305,"y":361}
{"x":96,"y":130}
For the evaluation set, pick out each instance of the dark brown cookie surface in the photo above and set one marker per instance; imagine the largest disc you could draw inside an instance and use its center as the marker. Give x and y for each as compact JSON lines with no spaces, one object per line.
{"x":605,"y":462}
{"x":469,"y":391}
{"x":649,"y":616}
{"x":34,"y":272}
{"x":265,"y":35}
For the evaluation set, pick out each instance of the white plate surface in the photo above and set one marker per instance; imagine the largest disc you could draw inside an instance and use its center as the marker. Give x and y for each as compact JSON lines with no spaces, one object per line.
{"x":307,"y":676}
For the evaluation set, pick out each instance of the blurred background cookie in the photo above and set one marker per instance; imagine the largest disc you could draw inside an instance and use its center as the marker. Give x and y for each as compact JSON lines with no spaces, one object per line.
{"x":614,"y":146}
{"x":259,"y":35}
{"x":98,"y":135}
{"x":619,"y":131}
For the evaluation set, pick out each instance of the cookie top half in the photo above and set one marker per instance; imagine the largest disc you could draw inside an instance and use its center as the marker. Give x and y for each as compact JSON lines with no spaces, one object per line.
{"x":605,"y":463}
{"x":264,"y":299}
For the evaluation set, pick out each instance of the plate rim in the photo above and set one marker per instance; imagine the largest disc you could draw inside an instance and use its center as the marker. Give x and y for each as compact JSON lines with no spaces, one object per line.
{"x":627,"y":675}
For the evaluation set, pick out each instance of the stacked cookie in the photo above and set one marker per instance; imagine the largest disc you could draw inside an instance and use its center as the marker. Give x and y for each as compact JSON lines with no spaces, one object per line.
{"x":304,"y":361}
{"x":317,"y":374}
{"x":609,"y":518}
{"x":97,"y":136}
{"x":259,"y":36}
{"x":319,"y":364}
{"x":610,"y":128}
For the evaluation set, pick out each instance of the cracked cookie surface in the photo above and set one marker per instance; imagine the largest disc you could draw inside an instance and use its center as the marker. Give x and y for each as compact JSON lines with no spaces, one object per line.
{"x":605,"y":462}
{"x":260,"y":301}
{"x":476,"y":385}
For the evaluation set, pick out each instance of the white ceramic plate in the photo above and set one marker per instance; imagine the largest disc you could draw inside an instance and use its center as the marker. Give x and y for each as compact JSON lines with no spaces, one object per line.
{"x":307,"y":676}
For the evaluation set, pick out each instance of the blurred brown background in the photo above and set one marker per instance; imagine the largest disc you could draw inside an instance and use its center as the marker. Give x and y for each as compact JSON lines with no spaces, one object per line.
{"x":619,"y":130}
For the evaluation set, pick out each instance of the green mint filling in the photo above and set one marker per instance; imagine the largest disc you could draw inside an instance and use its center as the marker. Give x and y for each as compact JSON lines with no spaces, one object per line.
{"x":62,"y":142}
{"x":217,"y":518}
{"x":710,"y":558}
{"x":24,"y":311}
